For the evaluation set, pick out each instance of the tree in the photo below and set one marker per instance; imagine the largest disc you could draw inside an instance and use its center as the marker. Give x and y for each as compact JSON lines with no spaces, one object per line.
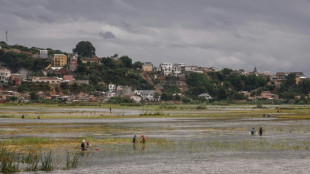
{"x":137,"y":64}
{"x":126,"y":61}
{"x":305,"y":86}
{"x":34,"y":96}
{"x":85,"y":49}
{"x":64,"y":86}
{"x":291,"y":79}
{"x":221,"y":93}
{"x":198,"y":83}
{"x":108,"y":63}
{"x":177,"y":97}
{"x":166,"y":97}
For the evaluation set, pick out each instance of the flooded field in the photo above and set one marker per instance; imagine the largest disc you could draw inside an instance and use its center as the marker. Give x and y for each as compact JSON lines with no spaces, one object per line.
{"x":213,"y":140}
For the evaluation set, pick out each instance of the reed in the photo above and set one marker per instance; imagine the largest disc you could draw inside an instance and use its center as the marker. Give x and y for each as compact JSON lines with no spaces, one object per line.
{"x":9,"y":162}
{"x":47,"y":162}
{"x":71,"y":161}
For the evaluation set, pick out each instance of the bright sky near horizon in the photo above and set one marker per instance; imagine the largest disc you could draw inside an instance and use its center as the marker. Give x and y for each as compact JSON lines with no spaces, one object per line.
{"x":273,"y":35}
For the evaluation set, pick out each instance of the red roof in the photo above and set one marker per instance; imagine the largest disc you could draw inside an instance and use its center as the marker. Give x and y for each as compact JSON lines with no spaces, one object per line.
{"x":69,"y":77}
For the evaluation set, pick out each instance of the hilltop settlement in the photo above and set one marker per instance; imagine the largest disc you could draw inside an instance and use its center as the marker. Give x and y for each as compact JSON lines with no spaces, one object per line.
{"x":52,"y":76}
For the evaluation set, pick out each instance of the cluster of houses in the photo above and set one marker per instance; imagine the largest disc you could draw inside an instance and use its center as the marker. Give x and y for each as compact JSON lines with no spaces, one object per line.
{"x":175,"y":69}
{"x":62,"y":66}
{"x":136,"y":95}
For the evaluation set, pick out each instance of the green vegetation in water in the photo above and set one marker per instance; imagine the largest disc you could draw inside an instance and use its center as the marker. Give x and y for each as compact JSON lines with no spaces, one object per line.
{"x":9,"y":162}
{"x":28,"y":140}
{"x":152,"y":112}
{"x":201,"y":107}
{"x":32,"y":160}
{"x":47,"y":162}
{"x":71,"y":162}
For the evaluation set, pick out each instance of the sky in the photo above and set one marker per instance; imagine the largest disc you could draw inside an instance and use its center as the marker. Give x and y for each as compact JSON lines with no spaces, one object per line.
{"x":272,"y":35}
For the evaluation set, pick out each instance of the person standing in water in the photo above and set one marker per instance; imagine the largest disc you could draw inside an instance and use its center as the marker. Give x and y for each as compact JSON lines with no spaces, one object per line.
{"x":143,"y":139}
{"x":83,"y":146}
{"x":253,"y":131}
{"x":134,"y":139}
{"x":88,"y":145}
{"x":260,"y":131}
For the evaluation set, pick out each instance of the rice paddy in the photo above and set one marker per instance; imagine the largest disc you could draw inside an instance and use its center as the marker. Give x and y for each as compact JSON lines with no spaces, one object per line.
{"x":180,"y":138}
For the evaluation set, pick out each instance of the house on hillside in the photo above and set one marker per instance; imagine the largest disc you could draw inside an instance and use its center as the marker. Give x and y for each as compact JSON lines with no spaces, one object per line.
{"x":178,"y":69}
{"x":281,"y":76}
{"x":5,"y":74}
{"x":111,"y":94}
{"x":68,"y":78}
{"x":147,"y":67}
{"x":16,"y":79}
{"x":5,"y":95}
{"x":50,"y":80}
{"x":136,"y":98}
{"x":206,"y":96}
{"x":265,"y":94}
{"x":123,"y":90}
{"x":59,"y":60}
{"x":268,"y":95}
{"x":43,"y":54}
{"x":73,"y":63}
{"x":148,"y":95}
{"x":59,"y":71}
{"x":93,"y":59}
{"x":112,"y":88}
{"x":166,"y":68}
{"x":195,"y":69}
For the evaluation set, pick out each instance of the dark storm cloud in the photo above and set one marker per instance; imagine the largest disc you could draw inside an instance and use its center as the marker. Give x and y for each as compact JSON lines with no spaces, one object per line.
{"x":271,"y":35}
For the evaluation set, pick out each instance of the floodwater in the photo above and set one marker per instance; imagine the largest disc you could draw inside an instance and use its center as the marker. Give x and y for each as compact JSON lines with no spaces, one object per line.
{"x":190,"y":145}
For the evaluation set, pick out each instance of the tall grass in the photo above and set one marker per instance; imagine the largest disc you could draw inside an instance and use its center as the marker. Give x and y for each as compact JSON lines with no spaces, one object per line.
{"x":71,"y":162}
{"x":9,"y":162}
{"x":47,"y":162}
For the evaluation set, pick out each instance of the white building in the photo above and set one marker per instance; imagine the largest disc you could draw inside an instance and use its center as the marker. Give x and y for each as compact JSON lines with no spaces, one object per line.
{"x":136,"y":98}
{"x":4,"y":75}
{"x":195,"y":69}
{"x":44,"y":54}
{"x":146,"y":94}
{"x":166,"y":68}
{"x":111,"y":94}
{"x":112,"y":88}
{"x":205,"y":95}
{"x":178,"y":69}
{"x":5,"y":72}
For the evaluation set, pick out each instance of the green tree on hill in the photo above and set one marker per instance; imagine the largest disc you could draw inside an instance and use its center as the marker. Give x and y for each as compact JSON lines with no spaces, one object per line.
{"x":85,"y":49}
{"x":198,"y":83}
{"x":126,"y":61}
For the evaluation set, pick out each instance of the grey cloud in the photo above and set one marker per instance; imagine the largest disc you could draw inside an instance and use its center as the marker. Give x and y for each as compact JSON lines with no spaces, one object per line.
{"x":272,"y":35}
{"x":107,"y":35}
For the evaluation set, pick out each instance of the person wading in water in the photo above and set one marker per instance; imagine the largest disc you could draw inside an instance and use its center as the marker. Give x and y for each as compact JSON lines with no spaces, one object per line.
{"x":253,"y":131}
{"x":260,"y":131}
{"x":134,"y":139}
{"x":83,"y":146}
{"x":143,"y":139}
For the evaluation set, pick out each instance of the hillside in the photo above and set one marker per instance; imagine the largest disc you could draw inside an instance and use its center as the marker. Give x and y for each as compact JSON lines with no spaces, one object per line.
{"x":226,"y":84}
